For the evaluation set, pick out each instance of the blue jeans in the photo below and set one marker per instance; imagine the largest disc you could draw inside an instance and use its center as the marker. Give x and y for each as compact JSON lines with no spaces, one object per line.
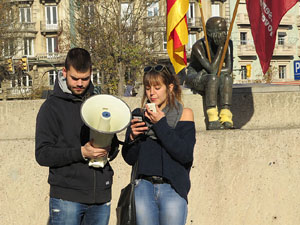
{"x":159,"y":204}
{"x":72,"y":213}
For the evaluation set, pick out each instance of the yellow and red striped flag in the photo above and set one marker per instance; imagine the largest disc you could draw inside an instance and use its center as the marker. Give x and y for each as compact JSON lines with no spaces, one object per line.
{"x":177,"y":32}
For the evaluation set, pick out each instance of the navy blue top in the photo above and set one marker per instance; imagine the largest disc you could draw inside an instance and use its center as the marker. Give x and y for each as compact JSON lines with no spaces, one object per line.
{"x":170,"y":156}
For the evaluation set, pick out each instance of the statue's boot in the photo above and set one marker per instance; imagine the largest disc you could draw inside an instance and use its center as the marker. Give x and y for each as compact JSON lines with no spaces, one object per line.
{"x":213,"y":119}
{"x":226,"y":118}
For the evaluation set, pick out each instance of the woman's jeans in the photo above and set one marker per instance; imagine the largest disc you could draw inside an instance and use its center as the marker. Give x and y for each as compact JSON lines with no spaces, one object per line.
{"x":72,"y":213}
{"x":158,"y":204}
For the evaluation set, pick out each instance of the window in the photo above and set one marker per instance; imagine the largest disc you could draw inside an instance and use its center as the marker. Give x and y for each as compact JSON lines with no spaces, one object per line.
{"x":153,"y":9}
{"x":215,"y":10}
{"x":282,"y":72}
{"x":191,"y":13}
{"x":150,"y":40}
{"x":9,"y":15}
{"x":96,"y":78}
{"x":8,"y":47}
{"x":89,"y":12}
{"x":192,"y":40}
{"x":243,"y":72}
{"x":165,"y":42}
{"x":243,"y":38}
{"x":281,"y":38}
{"x":27,"y":81}
{"x":51,"y":17}
{"x":28,"y":47}
{"x":23,"y":81}
{"x":52,"y":45}
{"x":126,"y":9}
{"x":25,"y":15}
{"x":52,"y":77}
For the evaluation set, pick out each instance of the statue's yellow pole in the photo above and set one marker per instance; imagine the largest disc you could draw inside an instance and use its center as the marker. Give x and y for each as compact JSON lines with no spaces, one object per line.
{"x":228,"y":36}
{"x":204,"y":29}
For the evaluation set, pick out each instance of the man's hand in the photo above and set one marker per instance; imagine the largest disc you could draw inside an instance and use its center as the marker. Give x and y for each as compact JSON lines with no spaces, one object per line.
{"x":90,"y":152}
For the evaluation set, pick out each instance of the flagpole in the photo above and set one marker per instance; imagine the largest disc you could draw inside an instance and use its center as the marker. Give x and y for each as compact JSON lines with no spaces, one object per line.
{"x":204,"y":29}
{"x":228,"y":36}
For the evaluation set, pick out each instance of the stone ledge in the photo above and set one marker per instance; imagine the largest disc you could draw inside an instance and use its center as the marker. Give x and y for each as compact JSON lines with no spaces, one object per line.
{"x":251,"y":110}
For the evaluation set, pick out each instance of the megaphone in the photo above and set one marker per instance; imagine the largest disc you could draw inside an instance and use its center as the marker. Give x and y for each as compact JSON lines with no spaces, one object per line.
{"x":105,"y":115}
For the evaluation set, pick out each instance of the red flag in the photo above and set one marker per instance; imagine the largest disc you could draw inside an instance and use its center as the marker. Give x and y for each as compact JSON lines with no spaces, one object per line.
{"x":265,"y":16}
{"x":177,"y":32}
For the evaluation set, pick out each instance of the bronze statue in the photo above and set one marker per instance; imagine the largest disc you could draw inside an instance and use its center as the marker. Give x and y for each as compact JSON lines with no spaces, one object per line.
{"x":202,"y":75}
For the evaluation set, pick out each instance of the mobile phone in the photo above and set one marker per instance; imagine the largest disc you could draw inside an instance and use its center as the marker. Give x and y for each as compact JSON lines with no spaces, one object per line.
{"x":138,"y":117}
{"x":152,"y":107}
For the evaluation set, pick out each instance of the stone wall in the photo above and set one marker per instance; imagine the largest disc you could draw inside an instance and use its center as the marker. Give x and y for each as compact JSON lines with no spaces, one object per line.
{"x":246,"y":176}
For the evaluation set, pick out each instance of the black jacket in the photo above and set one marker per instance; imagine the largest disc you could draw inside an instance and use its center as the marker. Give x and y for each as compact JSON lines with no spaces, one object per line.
{"x":170,"y":156}
{"x":60,"y":133}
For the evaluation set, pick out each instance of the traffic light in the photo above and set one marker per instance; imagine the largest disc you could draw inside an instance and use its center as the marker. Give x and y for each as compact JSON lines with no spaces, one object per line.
{"x":10,"y":65}
{"x":24,"y":64}
{"x":248,"y":70}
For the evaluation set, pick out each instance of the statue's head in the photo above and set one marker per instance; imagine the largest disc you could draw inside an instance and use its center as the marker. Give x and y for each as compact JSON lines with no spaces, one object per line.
{"x":217,"y":29}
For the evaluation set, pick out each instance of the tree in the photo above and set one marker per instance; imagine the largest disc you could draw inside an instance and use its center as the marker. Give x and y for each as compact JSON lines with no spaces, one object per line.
{"x":116,"y":35}
{"x":10,"y":34}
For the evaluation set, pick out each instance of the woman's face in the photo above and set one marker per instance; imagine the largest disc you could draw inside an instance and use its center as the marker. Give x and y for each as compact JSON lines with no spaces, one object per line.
{"x":157,"y":93}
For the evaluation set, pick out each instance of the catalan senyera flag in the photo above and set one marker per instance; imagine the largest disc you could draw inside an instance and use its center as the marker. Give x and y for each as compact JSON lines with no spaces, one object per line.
{"x":264,"y":17}
{"x":177,"y":32}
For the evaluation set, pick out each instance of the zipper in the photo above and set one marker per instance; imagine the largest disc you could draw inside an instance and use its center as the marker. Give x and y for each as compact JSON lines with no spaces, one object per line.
{"x":95,"y":181}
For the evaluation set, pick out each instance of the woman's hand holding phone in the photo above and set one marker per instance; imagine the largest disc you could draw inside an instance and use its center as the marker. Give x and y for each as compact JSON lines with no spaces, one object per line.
{"x":154,"y":117}
{"x":138,"y":126}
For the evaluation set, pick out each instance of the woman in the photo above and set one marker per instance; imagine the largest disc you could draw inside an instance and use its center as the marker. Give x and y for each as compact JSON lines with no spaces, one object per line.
{"x":162,"y":144}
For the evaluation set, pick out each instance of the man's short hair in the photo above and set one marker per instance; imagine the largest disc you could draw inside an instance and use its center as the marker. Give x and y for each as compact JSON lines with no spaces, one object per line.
{"x":79,"y":59}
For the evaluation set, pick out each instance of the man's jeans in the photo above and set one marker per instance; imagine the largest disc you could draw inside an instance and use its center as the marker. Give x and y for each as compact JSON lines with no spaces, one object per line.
{"x":72,"y":213}
{"x":159,"y":204}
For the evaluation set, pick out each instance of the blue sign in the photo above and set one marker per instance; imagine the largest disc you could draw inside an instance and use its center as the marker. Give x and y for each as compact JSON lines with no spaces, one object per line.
{"x":297,"y":69}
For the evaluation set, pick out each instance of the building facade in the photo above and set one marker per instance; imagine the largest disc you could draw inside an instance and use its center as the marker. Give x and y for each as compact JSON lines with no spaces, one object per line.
{"x":285,"y":51}
{"x":44,"y":25}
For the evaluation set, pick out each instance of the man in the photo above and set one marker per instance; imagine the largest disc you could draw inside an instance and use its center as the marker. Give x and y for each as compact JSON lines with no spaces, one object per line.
{"x":202,"y":75}
{"x":79,"y":194}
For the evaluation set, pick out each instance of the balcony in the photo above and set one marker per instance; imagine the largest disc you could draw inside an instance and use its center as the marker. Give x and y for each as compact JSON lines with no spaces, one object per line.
{"x":284,"y":50}
{"x":51,"y":28}
{"x":246,"y":50}
{"x":287,"y":20}
{"x":194,"y":23}
{"x":298,"y":21}
{"x":15,"y":93}
{"x":28,"y":27}
{"x":298,"y":50}
{"x":49,"y":1}
{"x":22,"y":1}
{"x":242,"y":19}
{"x":52,"y":57}
{"x":156,"y":21}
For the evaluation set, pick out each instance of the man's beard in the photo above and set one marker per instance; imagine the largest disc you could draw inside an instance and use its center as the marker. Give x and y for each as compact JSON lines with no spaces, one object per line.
{"x":76,"y":92}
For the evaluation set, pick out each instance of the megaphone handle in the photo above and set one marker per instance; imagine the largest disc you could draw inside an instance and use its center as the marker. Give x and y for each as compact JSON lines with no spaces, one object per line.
{"x":113,"y":154}
{"x":121,"y":142}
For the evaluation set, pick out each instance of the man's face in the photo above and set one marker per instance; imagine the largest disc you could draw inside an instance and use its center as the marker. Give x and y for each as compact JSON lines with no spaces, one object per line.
{"x":77,"y":82}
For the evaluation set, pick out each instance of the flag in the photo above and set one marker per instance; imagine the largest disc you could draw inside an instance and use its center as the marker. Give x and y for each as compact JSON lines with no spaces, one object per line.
{"x":177,"y":32}
{"x":264,"y":17}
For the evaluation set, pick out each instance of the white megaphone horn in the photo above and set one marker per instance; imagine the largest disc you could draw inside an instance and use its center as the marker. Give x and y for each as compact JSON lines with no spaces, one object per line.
{"x":105,"y":115}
